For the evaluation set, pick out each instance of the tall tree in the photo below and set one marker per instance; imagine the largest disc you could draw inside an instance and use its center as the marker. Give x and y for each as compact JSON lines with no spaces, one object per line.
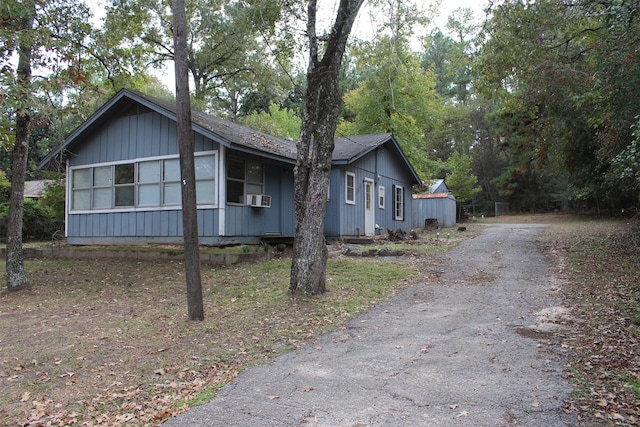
{"x":461,"y":179}
{"x":187,"y":166}
{"x":46,"y":36}
{"x":315,"y":147}
{"x":565,"y":77}
{"x":396,"y":95}
{"x":226,"y":39}
{"x":16,"y":274}
{"x":461,"y":24}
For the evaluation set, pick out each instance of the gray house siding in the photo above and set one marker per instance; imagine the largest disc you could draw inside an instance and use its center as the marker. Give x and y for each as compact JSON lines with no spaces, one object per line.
{"x":336,"y":196}
{"x":123,"y":180}
{"x":441,"y":208}
{"x":393,"y":175}
{"x":384,"y":168}
{"x":274,"y":221}
{"x":150,"y":135}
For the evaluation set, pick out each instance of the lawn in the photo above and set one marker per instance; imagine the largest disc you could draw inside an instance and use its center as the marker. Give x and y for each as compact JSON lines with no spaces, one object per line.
{"x":106,"y":341}
{"x":598,"y":263}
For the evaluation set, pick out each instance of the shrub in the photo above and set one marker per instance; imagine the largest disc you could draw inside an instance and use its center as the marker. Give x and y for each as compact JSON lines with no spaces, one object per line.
{"x":38,"y":223}
{"x":53,"y":199}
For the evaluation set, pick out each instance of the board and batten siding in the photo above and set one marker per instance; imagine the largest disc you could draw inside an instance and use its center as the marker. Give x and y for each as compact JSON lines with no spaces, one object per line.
{"x":134,"y":137}
{"x":137,"y":227}
{"x":384,"y":168}
{"x":149,"y":135}
{"x":441,"y":208}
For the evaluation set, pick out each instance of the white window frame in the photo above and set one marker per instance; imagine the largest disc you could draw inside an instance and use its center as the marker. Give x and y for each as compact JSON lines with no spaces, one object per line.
{"x":136,"y":207}
{"x":398,"y":203}
{"x":352,"y":200}
{"x":246,"y":181}
{"x":381,"y":197}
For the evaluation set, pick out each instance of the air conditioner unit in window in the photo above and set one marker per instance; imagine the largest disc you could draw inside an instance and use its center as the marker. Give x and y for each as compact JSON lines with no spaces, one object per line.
{"x":259,"y":200}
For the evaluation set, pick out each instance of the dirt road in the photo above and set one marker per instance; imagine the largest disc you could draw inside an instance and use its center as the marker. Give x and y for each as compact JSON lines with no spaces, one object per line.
{"x":455,"y":352}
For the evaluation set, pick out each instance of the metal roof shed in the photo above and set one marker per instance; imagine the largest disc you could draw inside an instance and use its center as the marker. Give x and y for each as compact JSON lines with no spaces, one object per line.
{"x":441,"y":206}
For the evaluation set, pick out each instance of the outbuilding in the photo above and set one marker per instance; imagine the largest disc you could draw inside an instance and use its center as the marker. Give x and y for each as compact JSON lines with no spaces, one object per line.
{"x":438,"y":204}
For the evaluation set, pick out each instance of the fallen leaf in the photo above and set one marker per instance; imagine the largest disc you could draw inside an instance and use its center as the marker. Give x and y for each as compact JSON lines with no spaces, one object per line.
{"x":26,"y":396}
{"x":462,"y":414}
{"x":274,"y":397}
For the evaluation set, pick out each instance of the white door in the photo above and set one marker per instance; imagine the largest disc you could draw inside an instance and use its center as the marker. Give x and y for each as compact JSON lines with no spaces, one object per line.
{"x":369,"y":213}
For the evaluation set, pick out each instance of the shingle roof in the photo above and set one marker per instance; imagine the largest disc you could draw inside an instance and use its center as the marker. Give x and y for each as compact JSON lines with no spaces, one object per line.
{"x":35,"y":189}
{"x":350,"y":148}
{"x":231,"y":132}
{"x":232,"y":135}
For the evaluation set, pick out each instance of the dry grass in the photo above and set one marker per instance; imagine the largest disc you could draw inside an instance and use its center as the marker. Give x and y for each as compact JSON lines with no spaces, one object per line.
{"x":106,"y":342}
{"x":599,"y":264}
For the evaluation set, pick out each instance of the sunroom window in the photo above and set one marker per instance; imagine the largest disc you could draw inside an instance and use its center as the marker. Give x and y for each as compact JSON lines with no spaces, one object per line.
{"x":145,"y":183}
{"x":124,"y":185}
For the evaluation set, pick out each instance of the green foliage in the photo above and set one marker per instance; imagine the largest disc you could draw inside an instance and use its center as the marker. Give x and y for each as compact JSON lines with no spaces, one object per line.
{"x":39,"y":223}
{"x":565,"y":77}
{"x":627,"y":163}
{"x":460,"y":178}
{"x":279,"y":122}
{"x":230,"y":43}
{"x":54,"y":199}
{"x":5,"y":187}
{"x":396,"y":95}
{"x":58,"y":40}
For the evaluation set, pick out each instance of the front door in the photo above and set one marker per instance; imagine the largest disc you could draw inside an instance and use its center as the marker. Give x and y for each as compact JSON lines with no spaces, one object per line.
{"x":369,"y":213}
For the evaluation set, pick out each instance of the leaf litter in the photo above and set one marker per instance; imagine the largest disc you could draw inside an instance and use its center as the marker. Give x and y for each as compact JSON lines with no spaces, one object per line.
{"x":599,"y":263}
{"x":107,"y":342}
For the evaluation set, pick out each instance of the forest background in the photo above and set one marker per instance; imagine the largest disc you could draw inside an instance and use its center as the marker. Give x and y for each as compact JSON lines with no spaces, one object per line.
{"x":533,"y":103}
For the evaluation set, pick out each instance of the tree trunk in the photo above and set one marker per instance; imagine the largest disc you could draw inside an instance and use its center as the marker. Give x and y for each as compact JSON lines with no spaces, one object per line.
{"x":315,"y":149}
{"x":187,"y":167}
{"x":16,"y":274}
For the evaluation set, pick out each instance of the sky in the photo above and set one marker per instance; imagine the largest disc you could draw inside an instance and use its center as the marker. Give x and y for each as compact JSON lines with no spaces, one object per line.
{"x":363,"y":25}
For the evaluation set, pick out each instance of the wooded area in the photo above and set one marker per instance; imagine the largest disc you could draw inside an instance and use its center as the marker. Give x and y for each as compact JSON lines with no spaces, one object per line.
{"x":534,"y":103}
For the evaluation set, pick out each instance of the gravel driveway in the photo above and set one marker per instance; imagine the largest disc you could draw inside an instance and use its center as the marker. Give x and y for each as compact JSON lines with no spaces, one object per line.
{"x":455,"y":352}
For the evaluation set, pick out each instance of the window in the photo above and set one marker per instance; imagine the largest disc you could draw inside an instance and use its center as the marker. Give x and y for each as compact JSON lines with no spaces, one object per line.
{"x":102,"y":187}
{"x":149,"y":183}
{"x":145,"y":183}
{"x":124,"y":185}
{"x":171,"y":190}
{"x":243,"y":177}
{"x":205,"y":180}
{"x":398,"y":203}
{"x":81,"y":189}
{"x":350,"y":188}
{"x":381,"y":197}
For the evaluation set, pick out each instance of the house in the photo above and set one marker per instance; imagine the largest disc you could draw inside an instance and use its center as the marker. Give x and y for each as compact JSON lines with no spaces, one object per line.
{"x":36,"y":189}
{"x":123,"y":179}
{"x":438,"y":203}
